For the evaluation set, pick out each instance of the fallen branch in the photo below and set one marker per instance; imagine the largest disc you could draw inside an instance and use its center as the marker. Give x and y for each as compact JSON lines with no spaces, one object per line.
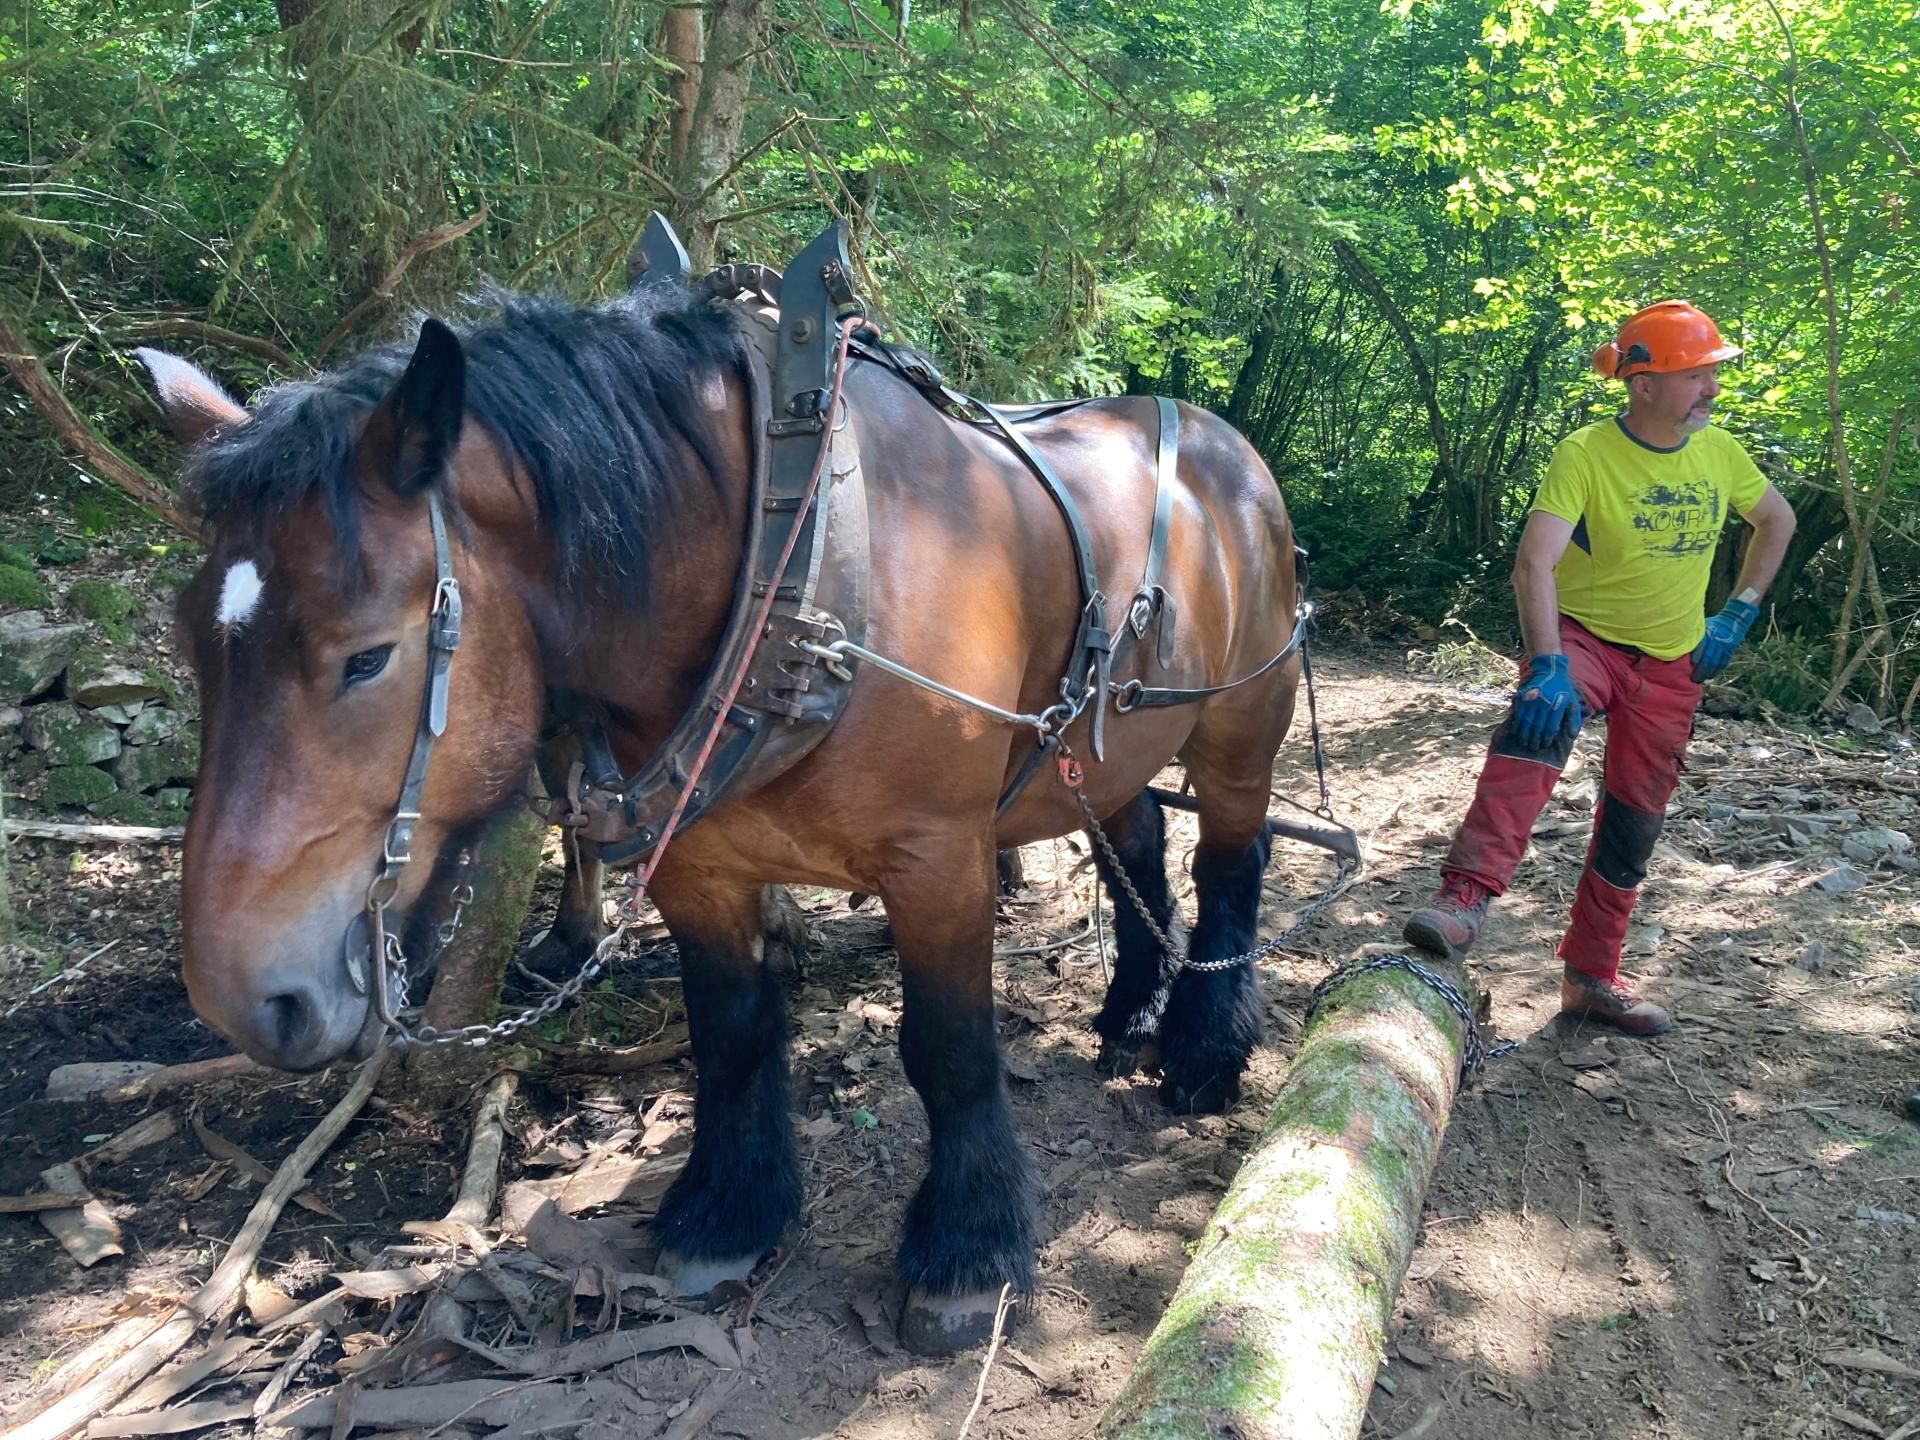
{"x":583,"y":1357}
{"x":1279,"y":1326}
{"x":676,"y":1044}
{"x":41,"y":1200}
{"x":109,"y":834}
{"x":986,"y":1366}
{"x":149,"y":1346}
{"x":175,"y":1077}
{"x":712,"y":1401}
{"x":88,"y":445}
{"x":202,"y":1415}
{"x":481,"y":1182}
{"x":483,"y":1402}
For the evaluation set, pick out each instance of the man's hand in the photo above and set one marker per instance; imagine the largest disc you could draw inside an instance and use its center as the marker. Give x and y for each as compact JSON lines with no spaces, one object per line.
{"x":1546,"y":704}
{"x":1725,"y":631}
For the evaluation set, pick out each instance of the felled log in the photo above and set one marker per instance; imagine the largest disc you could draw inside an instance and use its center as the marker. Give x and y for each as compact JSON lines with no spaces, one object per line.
{"x":1279,"y":1326}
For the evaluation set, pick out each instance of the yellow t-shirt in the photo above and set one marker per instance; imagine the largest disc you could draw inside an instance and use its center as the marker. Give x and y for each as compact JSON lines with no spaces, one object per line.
{"x":1645,"y":525}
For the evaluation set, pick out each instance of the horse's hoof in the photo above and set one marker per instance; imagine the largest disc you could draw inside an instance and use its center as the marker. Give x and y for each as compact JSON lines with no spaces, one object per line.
{"x":1121,"y":1058}
{"x":553,"y":955}
{"x":693,"y":1278}
{"x":948,"y":1324}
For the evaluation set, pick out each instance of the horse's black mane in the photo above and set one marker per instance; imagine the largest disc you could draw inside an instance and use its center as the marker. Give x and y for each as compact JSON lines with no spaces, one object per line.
{"x":596,"y":402}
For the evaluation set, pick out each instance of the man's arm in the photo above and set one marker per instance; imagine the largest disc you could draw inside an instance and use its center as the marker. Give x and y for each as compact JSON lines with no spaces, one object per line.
{"x":1773,"y":524}
{"x":1541,"y":545}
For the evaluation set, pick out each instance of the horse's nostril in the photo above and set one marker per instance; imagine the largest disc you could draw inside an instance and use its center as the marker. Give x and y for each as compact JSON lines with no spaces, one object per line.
{"x":287,"y":1022}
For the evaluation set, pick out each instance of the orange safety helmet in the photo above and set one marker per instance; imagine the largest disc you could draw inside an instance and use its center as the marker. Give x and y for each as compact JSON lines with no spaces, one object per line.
{"x":1671,"y":335}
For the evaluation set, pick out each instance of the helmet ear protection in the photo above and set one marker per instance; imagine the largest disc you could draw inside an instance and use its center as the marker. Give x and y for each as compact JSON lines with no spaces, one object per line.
{"x":1671,"y":335}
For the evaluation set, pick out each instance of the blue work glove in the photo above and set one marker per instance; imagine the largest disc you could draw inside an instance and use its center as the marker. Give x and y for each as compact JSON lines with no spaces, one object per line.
{"x":1725,"y":631}
{"x":1546,"y":704}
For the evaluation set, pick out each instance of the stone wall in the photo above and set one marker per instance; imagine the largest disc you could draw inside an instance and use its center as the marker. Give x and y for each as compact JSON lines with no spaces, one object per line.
{"x":85,"y":727}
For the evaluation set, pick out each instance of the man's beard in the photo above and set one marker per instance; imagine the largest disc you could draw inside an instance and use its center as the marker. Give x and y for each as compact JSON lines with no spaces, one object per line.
{"x":1694,"y":420}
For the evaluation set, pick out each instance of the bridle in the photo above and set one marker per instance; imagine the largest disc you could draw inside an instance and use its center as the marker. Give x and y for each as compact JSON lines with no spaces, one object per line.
{"x":396,"y":847}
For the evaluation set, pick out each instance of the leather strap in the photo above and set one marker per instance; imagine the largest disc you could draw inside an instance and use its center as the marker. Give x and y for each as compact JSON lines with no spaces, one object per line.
{"x":1135,"y":696}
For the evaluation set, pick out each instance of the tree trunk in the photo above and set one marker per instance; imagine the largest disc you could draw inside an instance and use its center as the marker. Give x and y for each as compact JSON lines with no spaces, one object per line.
{"x":466,"y":986}
{"x":684,"y":42}
{"x":1278,"y":1328}
{"x":713,"y":138}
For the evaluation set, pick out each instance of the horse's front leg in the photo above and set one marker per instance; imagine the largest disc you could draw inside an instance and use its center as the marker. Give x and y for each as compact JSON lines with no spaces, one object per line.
{"x":741,"y":1185}
{"x":578,"y":924}
{"x":970,"y":1229}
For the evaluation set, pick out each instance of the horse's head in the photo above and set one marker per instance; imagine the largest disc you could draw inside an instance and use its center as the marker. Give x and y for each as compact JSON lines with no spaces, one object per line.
{"x":309,"y":627}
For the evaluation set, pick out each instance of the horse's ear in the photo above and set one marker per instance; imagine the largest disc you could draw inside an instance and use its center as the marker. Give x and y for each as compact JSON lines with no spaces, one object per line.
{"x":194,"y":403}
{"x":412,"y":432}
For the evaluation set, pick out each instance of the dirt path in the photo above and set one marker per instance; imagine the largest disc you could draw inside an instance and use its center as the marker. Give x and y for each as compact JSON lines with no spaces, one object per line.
{"x":1623,"y":1239}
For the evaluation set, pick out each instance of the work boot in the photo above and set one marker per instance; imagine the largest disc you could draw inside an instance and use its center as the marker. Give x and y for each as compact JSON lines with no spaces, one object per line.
{"x":1613,"y":1002}
{"x":1449,"y":923}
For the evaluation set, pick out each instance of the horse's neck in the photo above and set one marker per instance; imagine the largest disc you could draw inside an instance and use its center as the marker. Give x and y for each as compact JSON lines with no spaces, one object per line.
{"x":646,"y":661}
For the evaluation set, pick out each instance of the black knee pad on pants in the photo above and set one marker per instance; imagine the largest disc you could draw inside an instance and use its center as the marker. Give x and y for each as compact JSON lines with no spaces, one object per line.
{"x":1623,"y":843}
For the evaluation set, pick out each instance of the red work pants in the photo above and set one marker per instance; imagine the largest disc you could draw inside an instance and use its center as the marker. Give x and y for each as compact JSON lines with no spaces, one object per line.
{"x":1649,"y":706}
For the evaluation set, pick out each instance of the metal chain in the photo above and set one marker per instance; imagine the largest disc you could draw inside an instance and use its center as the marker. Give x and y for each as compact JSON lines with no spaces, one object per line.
{"x":1310,"y":912}
{"x":477,"y":1035}
{"x":1474,"y":1049}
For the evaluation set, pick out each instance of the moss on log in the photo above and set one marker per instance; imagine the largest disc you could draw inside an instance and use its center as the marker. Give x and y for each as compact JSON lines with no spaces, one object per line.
{"x":1279,"y":1326}
{"x":466,"y":984}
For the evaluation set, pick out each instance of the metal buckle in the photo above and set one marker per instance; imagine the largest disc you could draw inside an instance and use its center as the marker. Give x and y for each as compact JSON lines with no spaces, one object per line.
{"x":400,"y":829}
{"x":1126,"y":696}
{"x":446,"y":614}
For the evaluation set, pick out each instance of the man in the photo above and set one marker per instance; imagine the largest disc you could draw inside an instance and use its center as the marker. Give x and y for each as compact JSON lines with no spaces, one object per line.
{"x":1611,"y":580}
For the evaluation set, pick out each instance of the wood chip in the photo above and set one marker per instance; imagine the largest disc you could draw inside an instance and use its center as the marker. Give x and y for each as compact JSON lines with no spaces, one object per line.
{"x":149,"y":1130}
{"x":628,"y":1181}
{"x":89,"y":1234}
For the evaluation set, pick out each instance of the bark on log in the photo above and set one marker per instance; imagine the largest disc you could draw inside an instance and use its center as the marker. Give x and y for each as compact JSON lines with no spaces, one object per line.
{"x":1279,"y":1326}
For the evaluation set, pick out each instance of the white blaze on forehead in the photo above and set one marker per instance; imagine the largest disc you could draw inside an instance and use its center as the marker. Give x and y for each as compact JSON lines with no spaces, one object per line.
{"x":239,"y":593}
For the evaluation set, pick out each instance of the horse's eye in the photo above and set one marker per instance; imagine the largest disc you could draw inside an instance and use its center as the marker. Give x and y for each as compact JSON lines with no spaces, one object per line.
{"x":367,"y":664}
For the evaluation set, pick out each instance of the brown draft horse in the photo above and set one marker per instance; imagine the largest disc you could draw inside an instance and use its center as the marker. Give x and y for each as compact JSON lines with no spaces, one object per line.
{"x":593,"y":463}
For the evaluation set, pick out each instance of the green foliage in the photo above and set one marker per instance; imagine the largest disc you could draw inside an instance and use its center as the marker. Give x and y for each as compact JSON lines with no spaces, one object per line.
{"x":1380,"y":239}
{"x":102,"y":600}
{"x":20,"y":589}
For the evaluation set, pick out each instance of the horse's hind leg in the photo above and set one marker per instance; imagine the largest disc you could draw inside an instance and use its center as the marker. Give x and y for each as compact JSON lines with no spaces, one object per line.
{"x":1215,"y":1018}
{"x":1142,"y":971}
{"x":970,"y":1227}
{"x":741,"y":1185}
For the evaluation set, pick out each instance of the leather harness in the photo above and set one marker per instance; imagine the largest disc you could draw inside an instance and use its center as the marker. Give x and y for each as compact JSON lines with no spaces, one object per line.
{"x":796,"y":684}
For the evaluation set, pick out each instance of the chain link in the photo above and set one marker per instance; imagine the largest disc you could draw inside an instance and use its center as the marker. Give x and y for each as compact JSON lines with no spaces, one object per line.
{"x":1474,"y":1049}
{"x":477,"y":1035}
{"x":1309,"y":912}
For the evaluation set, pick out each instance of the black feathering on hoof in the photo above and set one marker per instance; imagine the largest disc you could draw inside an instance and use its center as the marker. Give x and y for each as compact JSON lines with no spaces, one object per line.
{"x":741,"y":1187}
{"x":1137,"y":995}
{"x":1215,"y":1018}
{"x":970,"y":1226}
